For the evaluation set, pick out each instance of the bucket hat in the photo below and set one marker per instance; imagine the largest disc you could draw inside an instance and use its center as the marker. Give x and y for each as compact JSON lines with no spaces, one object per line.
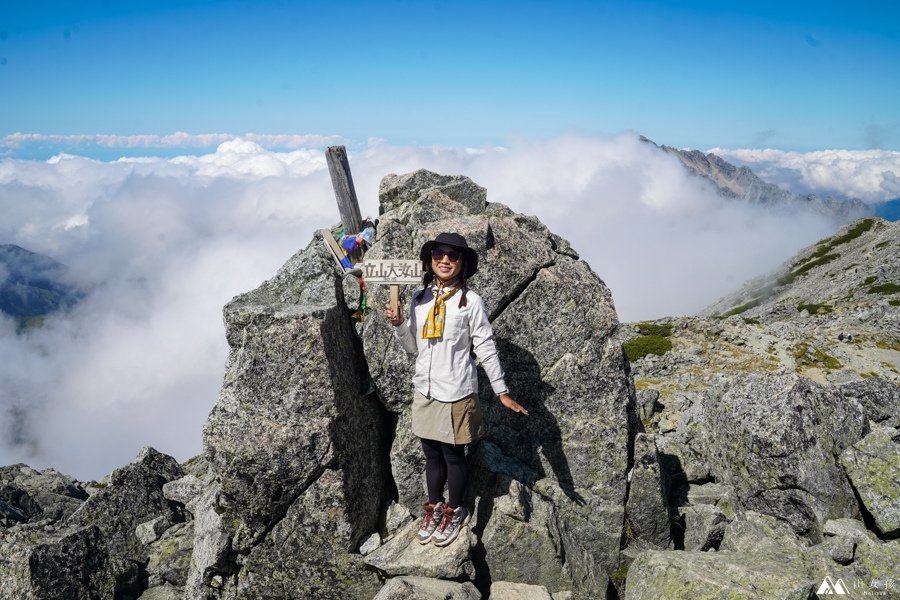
{"x":457,"y":241}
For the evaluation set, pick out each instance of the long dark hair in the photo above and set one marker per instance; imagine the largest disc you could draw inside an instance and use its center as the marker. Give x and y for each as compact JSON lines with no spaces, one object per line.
{"x":428,"y":278}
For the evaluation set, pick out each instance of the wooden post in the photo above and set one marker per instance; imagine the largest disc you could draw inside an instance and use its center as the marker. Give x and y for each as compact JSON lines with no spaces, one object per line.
{"x":395,"y":298}
{"x":344,"y":192}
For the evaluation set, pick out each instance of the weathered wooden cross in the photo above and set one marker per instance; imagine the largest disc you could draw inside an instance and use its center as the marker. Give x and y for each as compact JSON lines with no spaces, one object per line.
{"x":395,"y":272}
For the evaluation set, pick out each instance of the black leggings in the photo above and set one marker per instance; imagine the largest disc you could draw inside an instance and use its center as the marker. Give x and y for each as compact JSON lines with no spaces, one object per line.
{"x":445,"y":464}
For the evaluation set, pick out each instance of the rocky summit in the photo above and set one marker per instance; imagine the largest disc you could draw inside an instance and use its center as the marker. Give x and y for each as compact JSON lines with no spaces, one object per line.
{"x":747,"y":453}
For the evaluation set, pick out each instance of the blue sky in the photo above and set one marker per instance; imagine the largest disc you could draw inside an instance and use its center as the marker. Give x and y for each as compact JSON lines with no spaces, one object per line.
{"x":788,"y":75}
{"x":165,"y":242}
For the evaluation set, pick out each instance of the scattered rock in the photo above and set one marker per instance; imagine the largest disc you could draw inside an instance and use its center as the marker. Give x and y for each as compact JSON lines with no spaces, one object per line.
{"x":704,"y":526}
{"x":35,"y":495}
{"x":507,"y":590}
{"x":370,"y":544}
{"x":404,"y":555}
{"x":424,"y":588}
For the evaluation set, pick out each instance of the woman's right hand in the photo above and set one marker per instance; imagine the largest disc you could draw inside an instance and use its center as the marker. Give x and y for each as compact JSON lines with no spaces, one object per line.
{"x":394,"y":319}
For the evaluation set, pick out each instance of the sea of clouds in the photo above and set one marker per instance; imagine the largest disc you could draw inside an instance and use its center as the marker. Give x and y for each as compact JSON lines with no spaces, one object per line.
{"x":871,"y":175}
{"x":161,"y":244}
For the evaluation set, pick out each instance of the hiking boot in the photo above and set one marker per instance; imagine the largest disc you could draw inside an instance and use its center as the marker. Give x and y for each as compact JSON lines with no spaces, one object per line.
{"x":431,"y":518}
{"x":452,"y":521}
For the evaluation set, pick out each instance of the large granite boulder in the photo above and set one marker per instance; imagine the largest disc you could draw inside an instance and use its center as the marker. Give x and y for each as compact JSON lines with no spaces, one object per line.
{"x":402,"y":191}
{"x":879,"y":398}
{"x":70,"y":565}
{"x":507,"y":590}
{"x":296,"y":446}
{"x":873,"y":465}
{"x":648,"y":497}
{"x":776,"y":440}
{"x":403,"y":555}
{"x":170,"y":556}
{"x":424,"y":588}
{"x":133,"y":496}
{"x":704,"y":526}
{"x":522,"y":539}
{"x":553,"y":321}
{"x":760,"y":558}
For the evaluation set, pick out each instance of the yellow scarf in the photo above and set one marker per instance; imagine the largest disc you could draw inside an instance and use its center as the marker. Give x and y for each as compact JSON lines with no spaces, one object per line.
{"x":434,"y":325}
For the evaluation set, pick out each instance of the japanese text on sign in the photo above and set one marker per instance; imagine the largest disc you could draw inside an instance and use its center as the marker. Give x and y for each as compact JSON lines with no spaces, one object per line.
{"x":392,"y":271}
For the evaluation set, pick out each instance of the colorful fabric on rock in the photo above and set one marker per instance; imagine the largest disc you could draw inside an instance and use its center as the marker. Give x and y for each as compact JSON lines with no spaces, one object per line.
{"x":434,"y":325}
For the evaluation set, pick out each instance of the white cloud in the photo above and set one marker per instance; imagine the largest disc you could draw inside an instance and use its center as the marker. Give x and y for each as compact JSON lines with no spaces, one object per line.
{"x":165,"y":243}
{"x":179,"y":139}
{"x":870,"y":175}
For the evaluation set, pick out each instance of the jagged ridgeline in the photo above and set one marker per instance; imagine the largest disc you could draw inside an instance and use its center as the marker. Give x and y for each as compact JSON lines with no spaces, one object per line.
{"x":311,"y":479}
{"x":741,"y":183}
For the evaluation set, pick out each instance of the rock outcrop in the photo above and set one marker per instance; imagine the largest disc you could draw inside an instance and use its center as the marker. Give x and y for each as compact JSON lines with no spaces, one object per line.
{"x":556,"y":480}
{"x":311,"y":461}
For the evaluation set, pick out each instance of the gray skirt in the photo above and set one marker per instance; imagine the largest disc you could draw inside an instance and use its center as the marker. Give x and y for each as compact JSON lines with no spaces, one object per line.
{"x":456,"y":422}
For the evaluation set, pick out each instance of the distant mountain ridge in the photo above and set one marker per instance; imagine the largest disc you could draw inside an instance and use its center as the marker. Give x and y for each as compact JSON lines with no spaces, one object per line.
{"x":742,"y":183}
{"x":33,"y":285}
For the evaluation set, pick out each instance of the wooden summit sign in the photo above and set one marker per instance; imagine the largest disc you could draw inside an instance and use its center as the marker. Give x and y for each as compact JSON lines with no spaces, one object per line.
{"x":395,"y":272}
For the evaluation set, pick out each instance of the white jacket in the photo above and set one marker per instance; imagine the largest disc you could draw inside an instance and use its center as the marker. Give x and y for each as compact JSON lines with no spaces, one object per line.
{"x":445,"y":370}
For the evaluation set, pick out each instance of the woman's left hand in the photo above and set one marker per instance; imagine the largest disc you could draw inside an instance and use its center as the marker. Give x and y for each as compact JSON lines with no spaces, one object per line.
{"x":507,"y":401}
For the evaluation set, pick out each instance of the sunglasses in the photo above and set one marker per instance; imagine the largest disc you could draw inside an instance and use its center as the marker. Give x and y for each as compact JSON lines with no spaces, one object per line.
{"x":453,"y":255}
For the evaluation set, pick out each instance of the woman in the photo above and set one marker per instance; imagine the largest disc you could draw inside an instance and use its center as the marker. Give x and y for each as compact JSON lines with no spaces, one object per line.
{"x":447,"y":322}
